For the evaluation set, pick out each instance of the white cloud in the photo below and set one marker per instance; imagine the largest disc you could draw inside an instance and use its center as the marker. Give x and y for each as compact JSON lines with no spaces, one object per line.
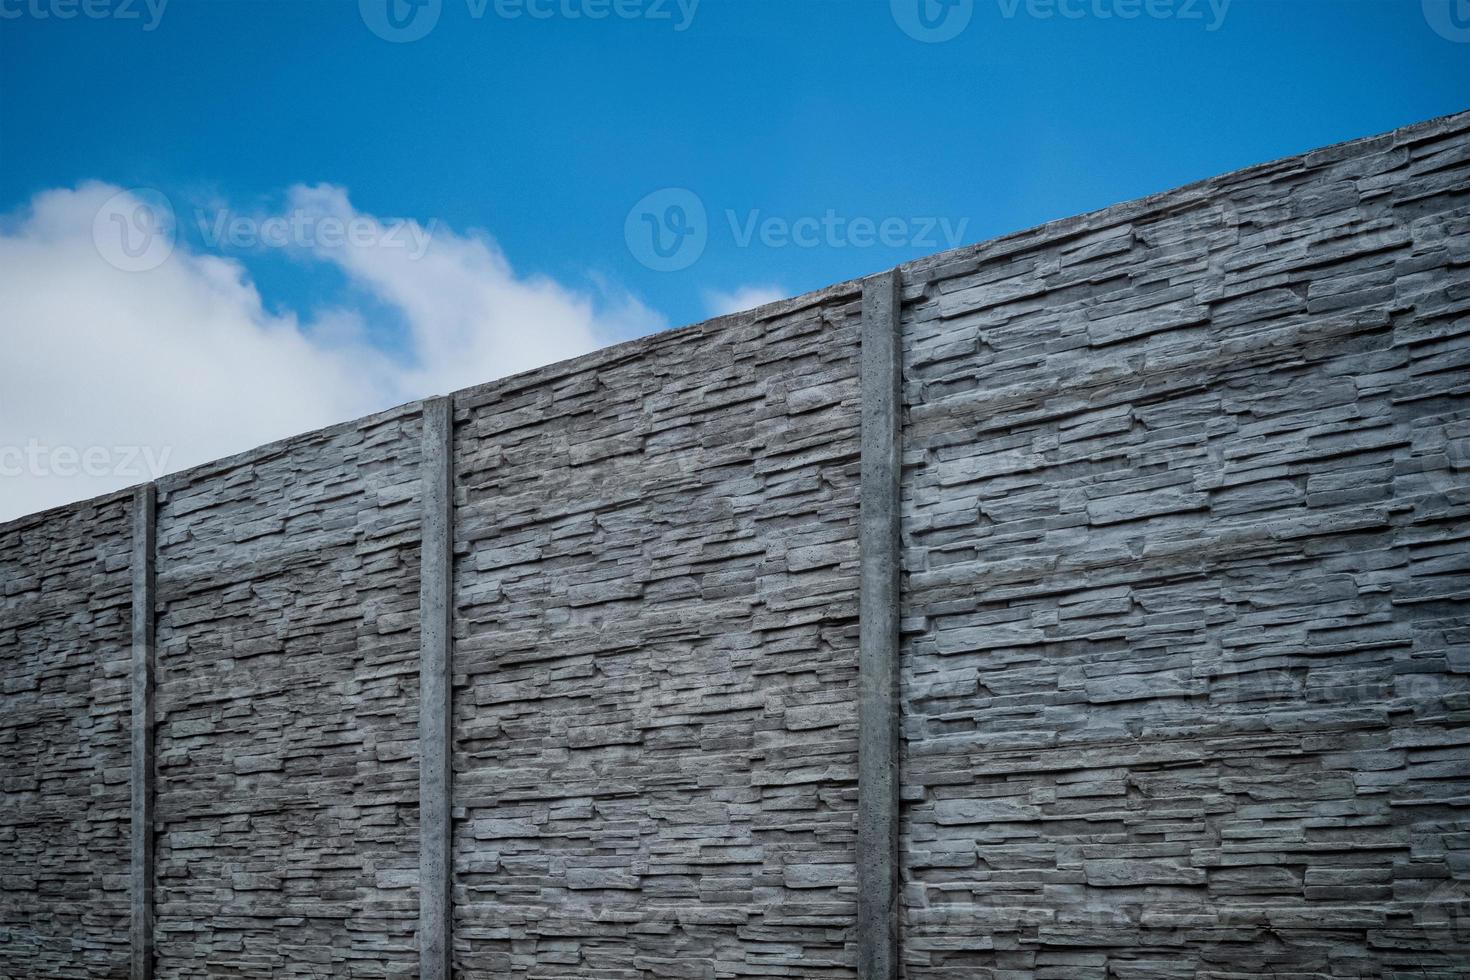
{"x":185,"y":362}
{"x":741,"y":299}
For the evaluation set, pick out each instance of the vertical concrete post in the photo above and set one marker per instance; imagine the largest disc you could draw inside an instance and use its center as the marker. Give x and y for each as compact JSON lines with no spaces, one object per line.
{"x":436,"y":634}
{"x":878,"y":602}
{"x":140,"y":814}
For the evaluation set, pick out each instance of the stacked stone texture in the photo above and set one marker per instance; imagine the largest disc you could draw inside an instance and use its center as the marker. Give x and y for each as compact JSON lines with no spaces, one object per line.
{"x":287,"y":732}
{"x":655,"y":757}
{"x":65,"y":645}
{"x":1186,"y":517}
{"x":1186,"y":528}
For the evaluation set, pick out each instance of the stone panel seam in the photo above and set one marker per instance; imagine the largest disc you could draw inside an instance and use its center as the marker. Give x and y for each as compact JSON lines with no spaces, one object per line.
{"x":144,"y":554}
{"x":878,"y":618}
{"x":436,"y":632}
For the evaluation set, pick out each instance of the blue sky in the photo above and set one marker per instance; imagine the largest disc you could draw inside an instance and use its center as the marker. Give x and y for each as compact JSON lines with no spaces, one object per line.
{"x":545,"y":132}
{"x":524,"y":142}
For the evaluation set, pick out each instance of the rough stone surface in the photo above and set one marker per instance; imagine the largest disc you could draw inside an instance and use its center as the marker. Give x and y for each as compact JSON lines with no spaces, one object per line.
{"x":287,"y":728}
{"x":1185,"y":645}
{"x":65,"y":651}
{"x":1187,"y":541}
{"x":656,"y":656}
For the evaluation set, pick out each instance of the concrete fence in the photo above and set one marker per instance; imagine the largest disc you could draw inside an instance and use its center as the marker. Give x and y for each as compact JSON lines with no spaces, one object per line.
{"x":1088,"y":602}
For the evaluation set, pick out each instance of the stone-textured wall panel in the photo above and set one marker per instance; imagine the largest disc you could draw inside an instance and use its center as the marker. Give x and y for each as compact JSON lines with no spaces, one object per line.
{"x":1186,"y":650}
{"x":1187,"y":542}
{"x":287,"y":731}
{"x":65,"y":646}
{"x":656,"y":657}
